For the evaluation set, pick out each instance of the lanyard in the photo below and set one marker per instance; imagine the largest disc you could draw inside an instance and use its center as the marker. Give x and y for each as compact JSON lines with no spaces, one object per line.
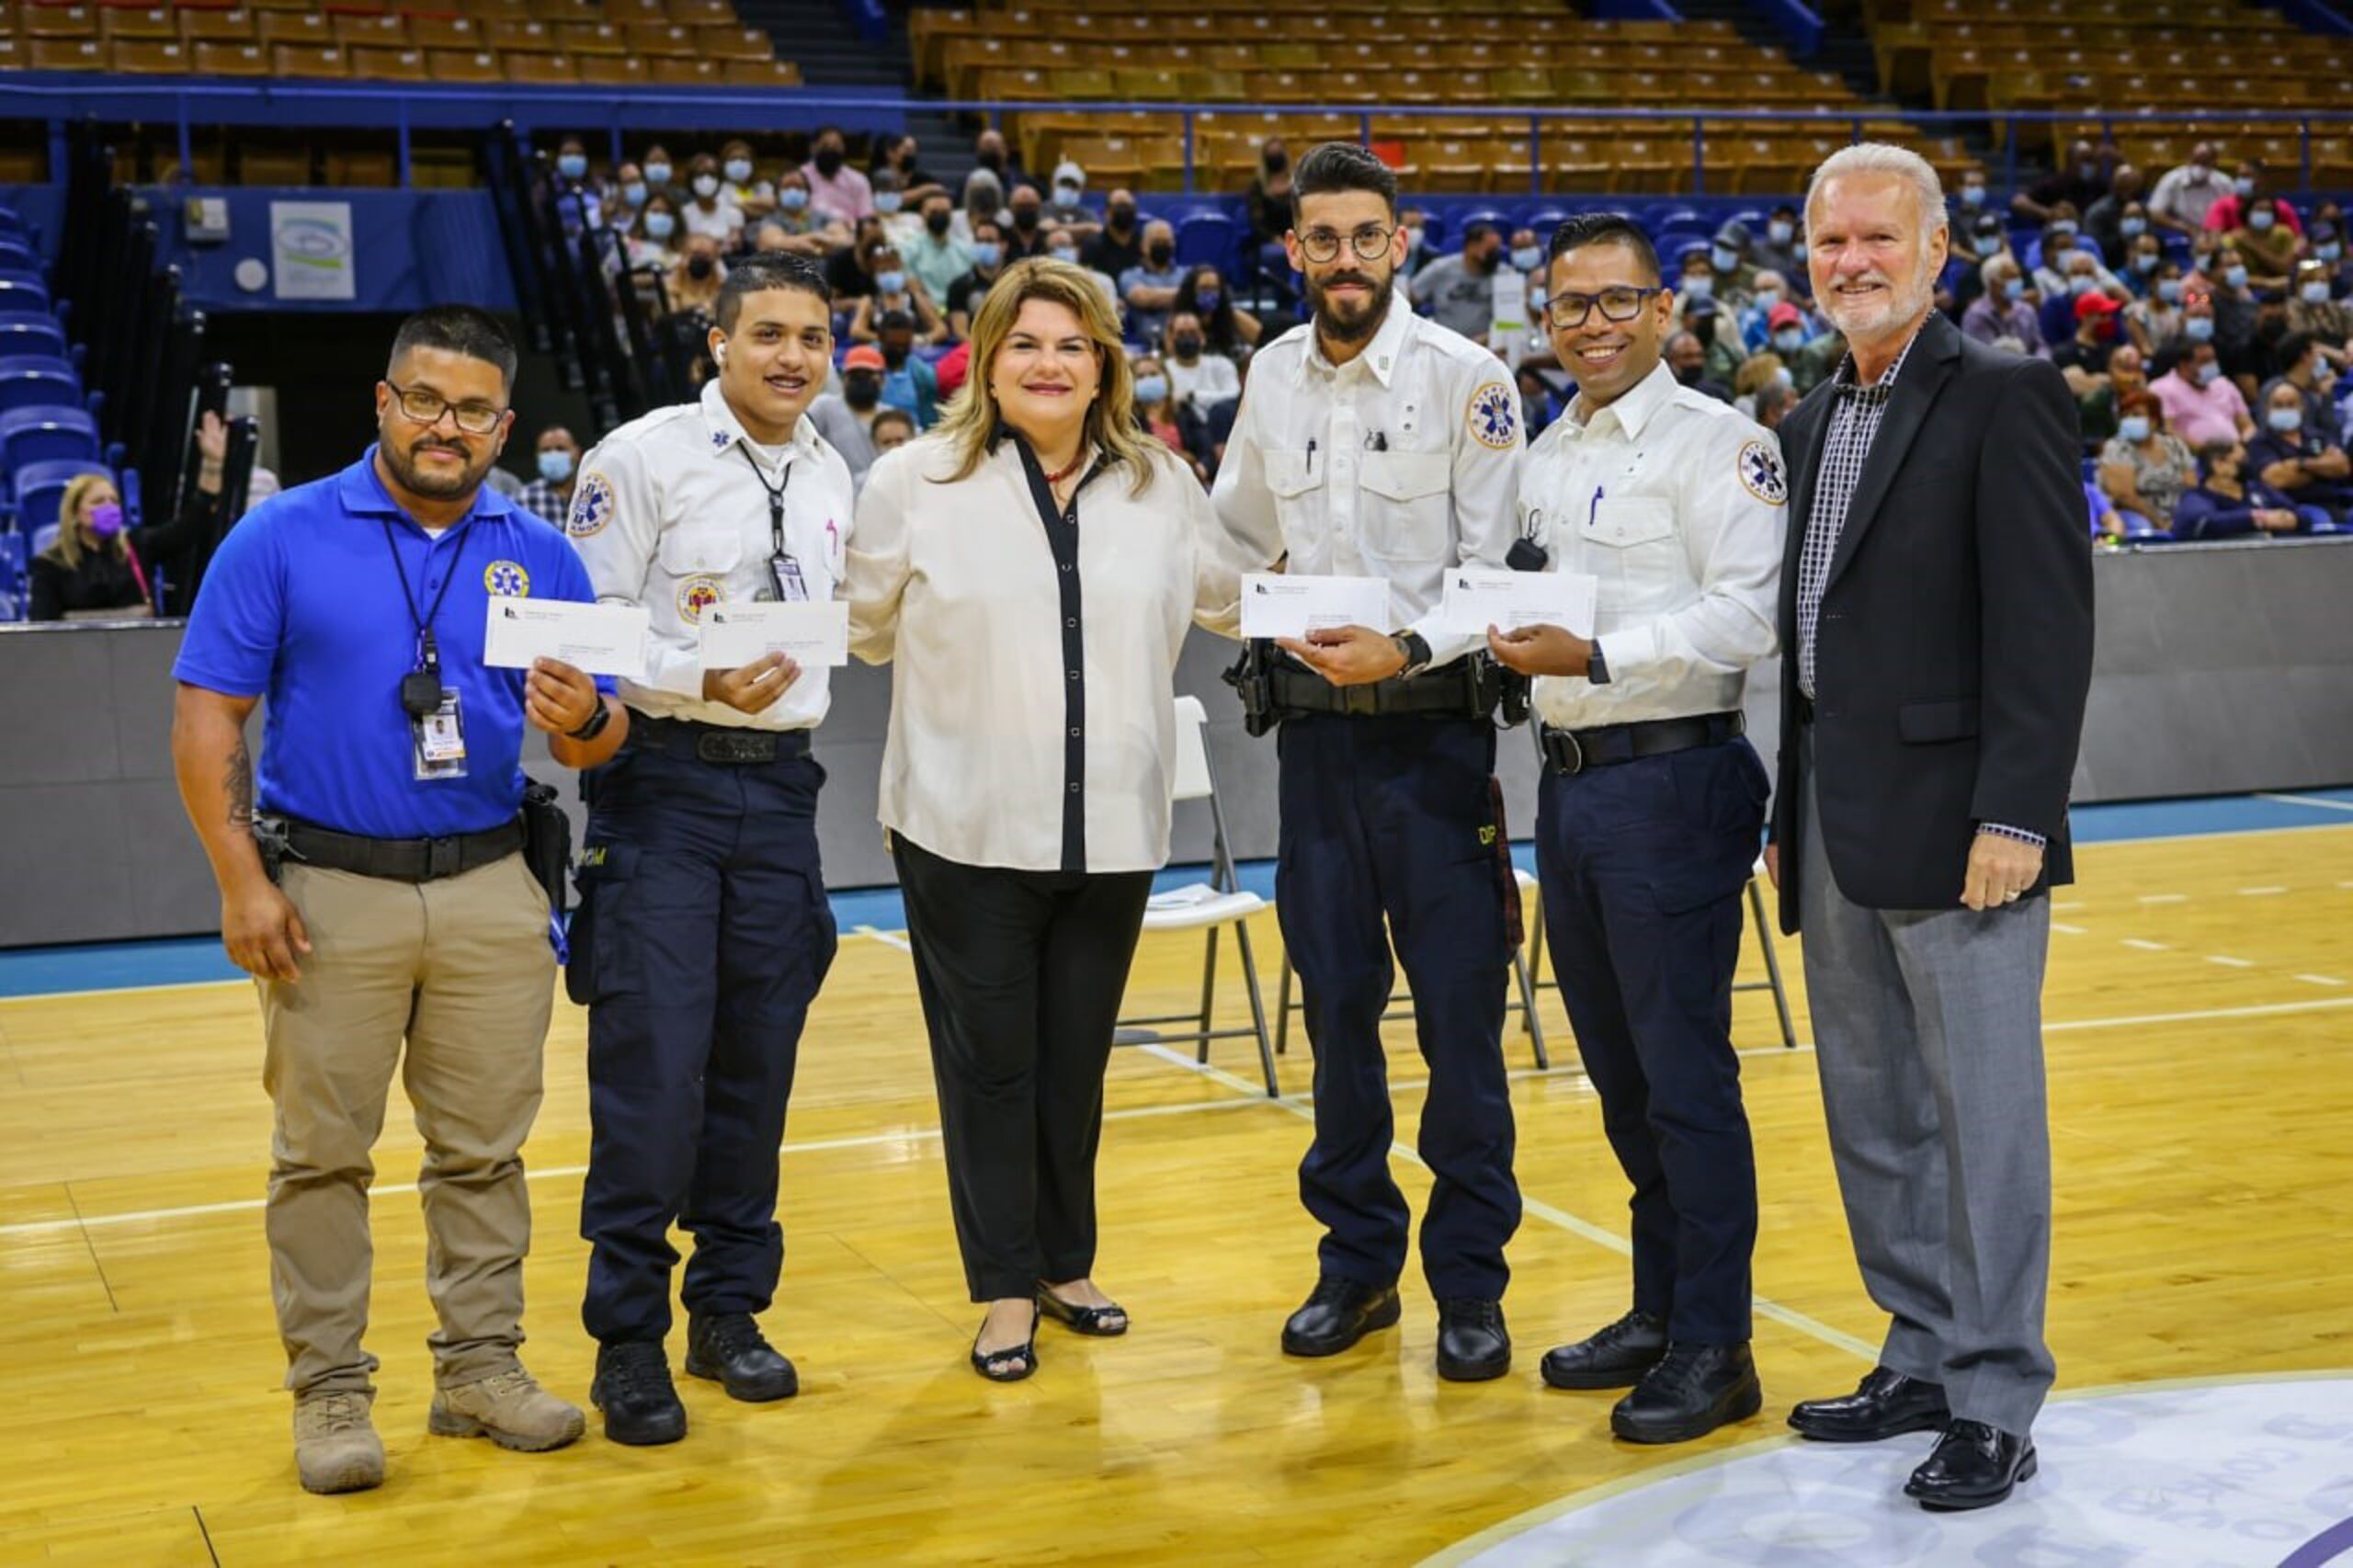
{"x":428,"y":656}
{"x":776,"y":500}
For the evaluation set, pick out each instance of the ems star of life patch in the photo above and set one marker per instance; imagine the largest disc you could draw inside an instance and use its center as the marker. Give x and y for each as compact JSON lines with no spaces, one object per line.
{"x":1760,"y":470}
{"x":592,"y":507}
{"x":1494,"y":415}
{"x":507,"y":579}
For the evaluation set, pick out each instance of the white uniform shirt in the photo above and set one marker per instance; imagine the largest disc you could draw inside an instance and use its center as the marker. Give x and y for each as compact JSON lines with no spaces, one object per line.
{"x":1677,"y":504}
{"x":1399,"y":464}
{"x":669,"y":514}
{"x":956,"y":584}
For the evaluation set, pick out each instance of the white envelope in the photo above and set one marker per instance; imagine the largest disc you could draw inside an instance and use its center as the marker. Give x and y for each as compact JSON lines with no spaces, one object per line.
{"x":1480,"y":596}
{"x":602,"y":639}
{"x":1282,"y":604}
{"x":811,"y":632}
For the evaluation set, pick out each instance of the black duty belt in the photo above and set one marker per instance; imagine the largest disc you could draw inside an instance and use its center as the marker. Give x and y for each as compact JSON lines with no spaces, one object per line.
{"x":400,"y":860}
{"x":727,"y":745}
{"x":1574,"y":750}
{"x":1457,"y":691}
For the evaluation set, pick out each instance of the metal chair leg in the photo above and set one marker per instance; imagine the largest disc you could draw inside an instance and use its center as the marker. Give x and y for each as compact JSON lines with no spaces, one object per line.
{"x":1209,"y":992}
{"x":1258,"y":1009}
{"x":1282,"y":1010}
{"x":1772,"y":964}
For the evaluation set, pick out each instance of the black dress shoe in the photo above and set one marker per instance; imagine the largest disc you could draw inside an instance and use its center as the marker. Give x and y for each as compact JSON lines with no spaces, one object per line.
{"x":1974,"y":1466}
{"x":1616,"y":1357}
{"x":1014,"y":1362}
{"x":633,"y":1390}
{"x":1472,"y":1343}
{"x":1101,"y":1322}
{"x":1887,"y":1404}
{"x":730,"y":1347}
{"x":1693,"y":1390}
{"x":1337,"y":1313}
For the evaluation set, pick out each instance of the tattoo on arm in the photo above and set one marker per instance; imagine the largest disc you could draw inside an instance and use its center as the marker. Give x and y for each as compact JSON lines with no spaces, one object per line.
{"x":239,"y":781}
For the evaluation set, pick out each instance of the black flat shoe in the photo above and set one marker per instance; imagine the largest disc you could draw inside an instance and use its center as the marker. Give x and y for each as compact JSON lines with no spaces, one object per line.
{"x":1103,"y":1322}
{"x":1974,"y":1466}
{"x":1336,"y":1314}
{"x":1887,"y":1404}
{"x":633,"y":1390}
{"x":1693,"y":1390}
{"x":729,"y":1348}
{"x":1011,"y":1364}
{"x":1472,"y":1343}
{"x":1612,"y":1357}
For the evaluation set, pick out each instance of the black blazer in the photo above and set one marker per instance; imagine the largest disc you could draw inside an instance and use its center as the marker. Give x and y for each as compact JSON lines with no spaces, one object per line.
{"x":1954,"y":648}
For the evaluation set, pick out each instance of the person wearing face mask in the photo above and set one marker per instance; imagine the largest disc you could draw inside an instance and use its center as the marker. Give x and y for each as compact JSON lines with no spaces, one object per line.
{"x":1687,"y":357}
{"x":694,"y":283}
{"x":908,"y":379}
{"x":2082,"y":277}
{"x":710,"y":211}
{"x":936,"y":258}
{"x":655,"y":242}
{"x":1809,"y":355}
{"x":556,"y":457}
{"x":1231,"y":329}
{"x":1267,"y":208}
{"x":1730,"y":265}
{"x":1969,"y":201}
{"x":2297,"y":461}
{"x":1149,"y":291}
{"x":625,"y":198}
{"x":2248,"y":195}
{"x":2144,"y":255}
{"x":1197,"y":376}
{"x":805,"y":231}
{"x":984,"y":199}
{"x":836,"y":190}
{"x":1158,"y":411}
{"x":902,"y":155}
{"x":2153,"y":321}
{"x":2201,"y":404}
{"x":97,"y":568}
{"x":1024,"y":224}
{"x":1755,"y":320}
{"x":1062,"y":245}
{"x":965,"y":294}
{"x":846,"y":418}
{"x":578,"y":196}
{"x":1119,"y":246}
{"x":2084,"y":358}
{"x":1720,"y":350}
{"x":900,"y":223}
{"x":2006,"y":309}
{"x":1458,"y":291}
{"x":1775,"y":250}
{"x":896,"y":290}
{"x":2263,"y":241}
{"x":2229,"y":503}
{"x":2237,"y":314}
{"x":741,"y":180}
{"x":657,"y":168}
{"x":2106,"y":217}
{"x":2305,"y":365}
{"x":2184,"y":194}
{"x":2079,"y":180}
{"x":993,"y":154}
{"x":2316,"y":309}
{"x":2143,"y":468}
{"x":1065,"y":205}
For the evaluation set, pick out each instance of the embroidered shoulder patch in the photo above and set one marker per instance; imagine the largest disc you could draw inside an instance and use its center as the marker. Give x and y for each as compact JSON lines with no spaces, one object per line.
{"x":507,"y":579}
{"x":1760,"y":470}
{"x":1494,"y":415}
{"x":592,"y":506}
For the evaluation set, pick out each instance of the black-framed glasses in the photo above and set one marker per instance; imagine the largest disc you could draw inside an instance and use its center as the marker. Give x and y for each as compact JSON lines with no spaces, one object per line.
{"x":1370,"y":243}
{"x":1621,"y":303}
{"x":426,"y":408}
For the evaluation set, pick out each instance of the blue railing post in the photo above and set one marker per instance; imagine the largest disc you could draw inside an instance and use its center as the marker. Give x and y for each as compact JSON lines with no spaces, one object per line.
{"x":1189,"y":151}
{"x":1364,"y":125}
{"x":400,"y":133}
{"x":188,"y":140}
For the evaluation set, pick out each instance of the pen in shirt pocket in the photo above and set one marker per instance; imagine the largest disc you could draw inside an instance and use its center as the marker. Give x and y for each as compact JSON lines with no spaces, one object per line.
{"x":1593,"y":512}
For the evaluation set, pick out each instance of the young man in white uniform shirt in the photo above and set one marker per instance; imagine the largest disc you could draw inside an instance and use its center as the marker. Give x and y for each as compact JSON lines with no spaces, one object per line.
{"x":704,"y":931}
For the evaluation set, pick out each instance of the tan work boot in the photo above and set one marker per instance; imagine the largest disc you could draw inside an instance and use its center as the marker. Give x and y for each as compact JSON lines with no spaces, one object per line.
{"x":511,"y":1409}
{"x":335,"y":1447}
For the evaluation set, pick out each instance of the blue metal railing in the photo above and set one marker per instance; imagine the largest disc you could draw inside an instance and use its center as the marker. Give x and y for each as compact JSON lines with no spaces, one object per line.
{"x":406,"y":109}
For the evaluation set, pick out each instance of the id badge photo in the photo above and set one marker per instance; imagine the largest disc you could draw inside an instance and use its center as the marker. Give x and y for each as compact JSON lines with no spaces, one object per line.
{"x":438,"y":740}
{"x":784,"y":576}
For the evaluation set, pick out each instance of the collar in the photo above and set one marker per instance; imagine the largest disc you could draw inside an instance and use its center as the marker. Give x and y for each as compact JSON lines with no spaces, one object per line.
{"x":1638,"y":405}
{"x":1845,"y":375}
{"x":726,"y":430}
{"x":1380,"y":355}
{"x":363,"y":495}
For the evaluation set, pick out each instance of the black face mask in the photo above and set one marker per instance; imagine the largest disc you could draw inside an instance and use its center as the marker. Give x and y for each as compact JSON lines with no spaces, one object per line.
{"x":1123,"y":216}
{"x":829,"y":161}
{"x":1278,"y":162}
{"x":936,"y":222}
{"x":1162,"y":253}
{"x":993,"y":161}
{"x":1704,"y":328}
{"x":1689,"y":374}
{"x":699,"y":266}
{"x":1024,"y":218}
{"x":861,"y":393}
{"x":1187,"y":345}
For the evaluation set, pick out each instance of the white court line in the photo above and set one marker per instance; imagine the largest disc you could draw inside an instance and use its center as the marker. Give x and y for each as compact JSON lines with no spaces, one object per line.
{"x":888,"y":939}
{"x":2146,"y":945}
{"x":2229,"y":962}
{"x":2307,"y":801}
{"x":2064,"y":930}
{"x":2260,"y":892}
{"x":2320,"y":979}
{"x":2165,"y":898}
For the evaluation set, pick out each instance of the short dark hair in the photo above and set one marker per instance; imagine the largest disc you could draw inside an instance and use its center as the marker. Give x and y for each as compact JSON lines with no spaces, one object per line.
{"x":1606,"y":229}
{"x":1476,"y":230}
{"x":2293,"y":348}
{"x":762,"y":271}
{"x":1343,"y":166}
{"x":901,"y":415}
{"x":894,"y":321}
{"x":458,"y":329}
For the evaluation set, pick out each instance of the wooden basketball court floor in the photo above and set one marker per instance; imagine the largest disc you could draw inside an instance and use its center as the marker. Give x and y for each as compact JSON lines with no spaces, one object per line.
{"x":2201,"y":1010}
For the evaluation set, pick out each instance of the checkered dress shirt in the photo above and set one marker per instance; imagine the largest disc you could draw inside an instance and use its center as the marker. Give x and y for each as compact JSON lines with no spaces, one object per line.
{"x":546,"y":500}
{"x":1854,"y":425}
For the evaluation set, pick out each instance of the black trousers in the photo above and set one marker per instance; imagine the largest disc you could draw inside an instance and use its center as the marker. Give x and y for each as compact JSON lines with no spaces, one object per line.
{"x":1020,"y":974}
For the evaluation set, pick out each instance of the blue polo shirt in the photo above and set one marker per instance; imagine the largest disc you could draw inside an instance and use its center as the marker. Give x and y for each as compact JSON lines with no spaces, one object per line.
{"x":302,"y":607}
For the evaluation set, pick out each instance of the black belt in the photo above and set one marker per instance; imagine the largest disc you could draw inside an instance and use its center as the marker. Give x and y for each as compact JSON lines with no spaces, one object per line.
{"x":1444,"y":691}
{"x":1574,"y":750}
{"x":728,"y":745}
{"x":400,"y":860}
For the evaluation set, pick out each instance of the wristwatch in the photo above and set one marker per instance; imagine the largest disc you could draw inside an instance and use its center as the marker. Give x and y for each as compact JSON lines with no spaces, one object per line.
{"x":1597,"y":668}
{"x":595,"y":725}
{"x":1416,"y":650}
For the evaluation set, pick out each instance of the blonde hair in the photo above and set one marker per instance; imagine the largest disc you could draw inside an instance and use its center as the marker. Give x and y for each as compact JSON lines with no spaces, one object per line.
{"x":68,"y":547}
{"x":1886,"y":158}
{"x":1754,"y":372}
{"x":970,"y":422}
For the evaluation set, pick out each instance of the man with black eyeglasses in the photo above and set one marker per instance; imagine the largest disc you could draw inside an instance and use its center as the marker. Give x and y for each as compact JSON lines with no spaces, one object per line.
{"x":1374,"y":443}
{"x":372,"y":879}
{"x":1652,"y":809}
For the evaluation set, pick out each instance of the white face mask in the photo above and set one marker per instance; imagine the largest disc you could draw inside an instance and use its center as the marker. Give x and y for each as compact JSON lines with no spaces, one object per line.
{"x":706,"y":185}
{"x":1066,"y":194}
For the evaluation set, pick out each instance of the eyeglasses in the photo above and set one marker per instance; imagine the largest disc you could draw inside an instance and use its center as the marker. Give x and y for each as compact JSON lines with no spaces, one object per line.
{"x":1370,"y":243}
{"x":1622,"y":303}
{"x":426,"y":408}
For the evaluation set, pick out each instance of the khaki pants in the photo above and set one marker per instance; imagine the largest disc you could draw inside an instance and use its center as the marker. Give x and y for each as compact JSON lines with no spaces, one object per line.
{"x":462,"y":968}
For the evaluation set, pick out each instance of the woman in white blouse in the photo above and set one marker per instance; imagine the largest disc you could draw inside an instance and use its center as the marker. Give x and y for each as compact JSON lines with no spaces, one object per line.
{"x":1030,"y":566}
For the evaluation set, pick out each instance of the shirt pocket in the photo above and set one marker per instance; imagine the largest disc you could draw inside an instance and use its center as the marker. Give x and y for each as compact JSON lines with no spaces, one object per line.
{"x":1406,"y":517}
{"x":1634,"y":549}
{"x":700,"y":549}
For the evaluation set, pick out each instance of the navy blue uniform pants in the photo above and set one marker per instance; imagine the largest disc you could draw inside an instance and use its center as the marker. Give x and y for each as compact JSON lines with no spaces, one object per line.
{"x":1391,"y":830}
{"x":1643,"y":866}
{"x":702,"y":939}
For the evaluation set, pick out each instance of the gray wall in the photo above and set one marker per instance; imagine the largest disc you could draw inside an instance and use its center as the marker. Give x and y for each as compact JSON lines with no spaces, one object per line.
{"x":2220,"y":670}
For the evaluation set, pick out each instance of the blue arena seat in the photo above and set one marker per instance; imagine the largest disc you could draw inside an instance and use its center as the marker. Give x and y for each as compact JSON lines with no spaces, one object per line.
{"x":1205,"y":237}
{"x":48,"y":432}
{"x":22,"y":333}
{"x":23,"y":293}
{"x":31,"y":380}
{"x":16,"y":255}
{"x":41,"y":485}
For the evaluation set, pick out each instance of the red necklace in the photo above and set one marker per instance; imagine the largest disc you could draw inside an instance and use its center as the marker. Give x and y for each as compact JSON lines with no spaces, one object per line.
{"x":1054,"y":478}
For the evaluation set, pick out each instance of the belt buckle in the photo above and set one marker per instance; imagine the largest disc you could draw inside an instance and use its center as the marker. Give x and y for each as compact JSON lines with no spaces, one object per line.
{"x":1361,"y":701}
{"x":1575,"y":763}
{"x":441,"y":858}
{"x":724,"y":746}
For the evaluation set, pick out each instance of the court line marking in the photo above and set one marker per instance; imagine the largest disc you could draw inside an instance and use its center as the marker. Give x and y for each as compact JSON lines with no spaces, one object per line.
{"x":2229,"y":962}
{"x":2320,"y":979}
{"x":2260,"y":892}
{"x":2144,"y":945}
{"x":2165,"y":898}
{"x":2062,"y":926}
{"x":2306,"y":801}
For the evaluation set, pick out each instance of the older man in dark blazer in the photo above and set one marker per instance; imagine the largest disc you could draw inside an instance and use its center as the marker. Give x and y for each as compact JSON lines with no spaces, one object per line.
{"x":1936,"y":640}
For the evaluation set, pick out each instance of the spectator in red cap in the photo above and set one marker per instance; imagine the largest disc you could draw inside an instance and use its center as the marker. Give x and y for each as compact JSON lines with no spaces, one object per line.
{"x":846,"y":418}
{"x":2083,"y":359}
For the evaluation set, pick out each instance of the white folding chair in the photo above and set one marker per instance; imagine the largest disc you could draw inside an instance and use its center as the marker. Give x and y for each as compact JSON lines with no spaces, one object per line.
{"x":1206,"y":907}
{"x":1772,"y":981}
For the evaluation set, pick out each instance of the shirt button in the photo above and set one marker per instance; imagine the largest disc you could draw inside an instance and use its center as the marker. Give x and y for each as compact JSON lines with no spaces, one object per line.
{"x":1074,"y":788}
{"x":1072,"y":621}
{"x":1074,"y":732}
{"x":1066,"y":566}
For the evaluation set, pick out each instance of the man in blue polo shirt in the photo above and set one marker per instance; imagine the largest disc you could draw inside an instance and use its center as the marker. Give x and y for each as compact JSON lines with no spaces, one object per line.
{"x":389,"y":786}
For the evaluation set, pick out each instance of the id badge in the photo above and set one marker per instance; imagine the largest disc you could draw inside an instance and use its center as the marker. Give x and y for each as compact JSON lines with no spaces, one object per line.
{"x":784,"y":575}
{"x":439,"y":740}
